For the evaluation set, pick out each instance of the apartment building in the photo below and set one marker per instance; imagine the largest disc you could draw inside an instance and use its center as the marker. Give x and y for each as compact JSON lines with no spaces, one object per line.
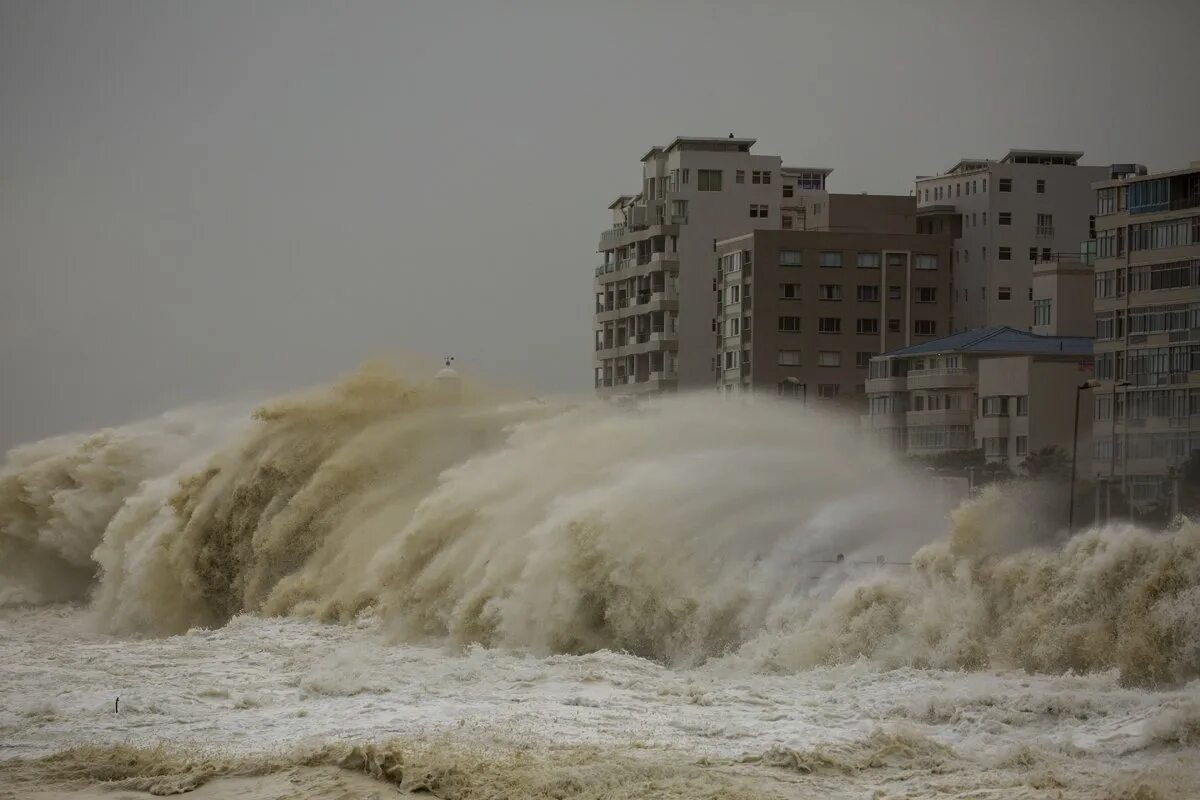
{"x":653,"y":288}
{"x":1005,"y":391}
{"x":1147,"y":317}
{"x":800,"y":314}
{"x":1004,"y":217}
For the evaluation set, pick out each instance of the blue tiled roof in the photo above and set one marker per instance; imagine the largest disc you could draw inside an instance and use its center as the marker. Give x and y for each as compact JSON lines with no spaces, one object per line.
{"x":1000,"y":339}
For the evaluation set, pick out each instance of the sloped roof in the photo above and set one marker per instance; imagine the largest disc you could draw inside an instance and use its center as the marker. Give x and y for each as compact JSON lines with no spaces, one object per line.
{"x":999,"y":339}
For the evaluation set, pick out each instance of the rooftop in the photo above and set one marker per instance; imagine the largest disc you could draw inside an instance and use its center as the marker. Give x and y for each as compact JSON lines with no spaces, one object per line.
{"x":1014,"y":156}
{"x":999,"y":340}
{"x":702,"y":143}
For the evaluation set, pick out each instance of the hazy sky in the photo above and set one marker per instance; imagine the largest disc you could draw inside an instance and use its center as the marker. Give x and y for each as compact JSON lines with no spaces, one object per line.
{"x":204,"y":199}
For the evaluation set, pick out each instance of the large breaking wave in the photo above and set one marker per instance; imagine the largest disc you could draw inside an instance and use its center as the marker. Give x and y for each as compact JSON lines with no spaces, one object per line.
{"x":687,"y":530}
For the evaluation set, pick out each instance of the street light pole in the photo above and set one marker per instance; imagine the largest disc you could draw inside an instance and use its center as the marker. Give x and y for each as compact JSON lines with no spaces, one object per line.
{"x":1089,"y":384}
{"x":1112,"y":448}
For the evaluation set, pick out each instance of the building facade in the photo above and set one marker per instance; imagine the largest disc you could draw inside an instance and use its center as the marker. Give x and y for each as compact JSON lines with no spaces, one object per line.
{"x":1062,"y":294}
{"x":1002,"y":390}
{"x":653,"y":288}
{"x":1147,"y":317}
{"x":1005,"y":216}
{"x":801,"y":313}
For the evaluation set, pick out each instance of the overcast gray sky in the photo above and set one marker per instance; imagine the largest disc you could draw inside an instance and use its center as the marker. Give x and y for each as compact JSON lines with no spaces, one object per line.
{"x":204,"y":199}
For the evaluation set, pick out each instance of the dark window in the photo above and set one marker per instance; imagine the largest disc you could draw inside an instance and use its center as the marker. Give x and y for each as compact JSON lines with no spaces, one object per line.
{"x":894,"y":325}
{"x":1041,"y":186}
{"x":1006,"y":184}
{"x":1005,"y":254}
{"x":867,"y":325}
{"x":829,"y":325}
{"x":925,"y":327}
{"x":1005,"y":218}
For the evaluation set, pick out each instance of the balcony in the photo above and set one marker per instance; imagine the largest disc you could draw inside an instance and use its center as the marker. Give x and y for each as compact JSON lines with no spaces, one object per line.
{"x":960,"y":416}
{"x":896,"y":383}
{"x":613,"y":233}
{"x":945,"y":378}
{"x":891,"y":419}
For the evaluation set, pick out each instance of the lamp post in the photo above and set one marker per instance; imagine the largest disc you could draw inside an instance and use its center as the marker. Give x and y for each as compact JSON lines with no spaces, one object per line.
{"x":1089,"y":384}
{"x":1112,"y":449}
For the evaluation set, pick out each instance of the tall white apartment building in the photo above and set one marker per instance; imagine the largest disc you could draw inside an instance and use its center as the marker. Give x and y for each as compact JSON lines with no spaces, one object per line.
{"x":1005,"y":217}
{"x":654,"y":309}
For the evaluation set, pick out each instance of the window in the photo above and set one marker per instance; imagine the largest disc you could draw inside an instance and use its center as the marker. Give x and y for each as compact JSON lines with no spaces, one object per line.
{"x":1106,"y":201}
{"x":1023,"y":405}
{"x":733,"y":326}
{"x":1004,"y":218}
{"x":684,"y":173}
{"x":760,"y":177}
{"x":925,"y":327}
{"x":925,"y":294}
{"x":1046,"y":254}
{"x":1041,"y":186}
{"x":894,"y":293}
{"x":785,"y":222}
{"x":926,"y":262}
{"x":985,"y":184}
{"x":1022,"y":445}
{"x":829,"y":358}
{"x":708,"y":180}
{"x":739,"y":176}
{"x":789,"y":291}
{"x":993,"y":406}
{"x":788,"y":358}
{"x":867,"y":325}
{"x":789,"y":324}
{"x":829,"y":291}
{"x":831,"y":258}
{"x":1033,"y":254}
{"x":789,"y":258}
{"x":731,"y":359}
{"x":995,"y":446}
{"x":829,"y":325}
{"x":757,"y":211}
{"x":958,"y":190}
{"x":1006,"y":184}
{"x":733,"y":294}
{"x":1041,"y":312}
{"x":1005,"y":254}
{"x":788,"y":190}
{"x":1004,"y":293}
{"x":827,"y":391}
{"x":868,"y":294}
{"x":869,"y":260}
{"x":893,"y":326}
{"x":863,"y":359}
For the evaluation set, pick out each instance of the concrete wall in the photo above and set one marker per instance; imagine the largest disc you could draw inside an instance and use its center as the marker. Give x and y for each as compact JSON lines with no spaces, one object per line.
{"x":1070,"y":287}
{"x":872,"y":213}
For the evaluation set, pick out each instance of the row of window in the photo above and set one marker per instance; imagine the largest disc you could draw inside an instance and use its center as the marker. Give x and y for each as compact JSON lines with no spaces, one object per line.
{"x":945,"y":437}
{"x":833,"y":258}
{"x":1148,"y":319}
{"x":1174,"y":446}
{"x":921,"y":327}
{"x":1003,"y":254}
{"x":1148,"y":236}
{"x":972,"y":187}
{"x":997,"y":446}
{"x":999,"y":406}
{"x":864,"y":293}
{"x":825,"y":358}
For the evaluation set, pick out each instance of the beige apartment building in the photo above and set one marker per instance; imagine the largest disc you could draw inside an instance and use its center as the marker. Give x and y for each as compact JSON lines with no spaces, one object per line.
{"x":1005,"y":391}
{"x":1147,"y":318}
{"x":1005,"y":216}
{"x":1062,"y":293}
{"x":800,"y":314}
{"x":653,"y":288}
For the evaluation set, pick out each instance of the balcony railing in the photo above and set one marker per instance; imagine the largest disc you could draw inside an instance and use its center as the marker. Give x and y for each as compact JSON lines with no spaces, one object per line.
{"x":615,"y":232}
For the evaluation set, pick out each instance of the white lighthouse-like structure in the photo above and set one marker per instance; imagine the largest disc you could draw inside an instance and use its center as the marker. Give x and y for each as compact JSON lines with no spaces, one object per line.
{"x":449,"y":383}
